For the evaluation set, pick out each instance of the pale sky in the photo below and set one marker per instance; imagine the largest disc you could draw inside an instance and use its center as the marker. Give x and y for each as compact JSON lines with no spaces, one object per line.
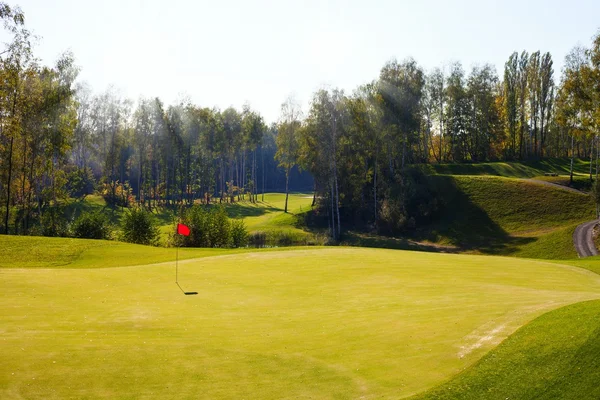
{"x":222,"y":53}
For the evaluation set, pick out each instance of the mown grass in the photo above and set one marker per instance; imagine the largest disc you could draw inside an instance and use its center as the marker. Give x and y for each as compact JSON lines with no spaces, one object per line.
{"x":310,"y":323}
{"x":553,"y":357}
{"x":513,"y":169}
{"x":507,"y":216}
{"x":580,"y":182}
{"x":43,"y":252}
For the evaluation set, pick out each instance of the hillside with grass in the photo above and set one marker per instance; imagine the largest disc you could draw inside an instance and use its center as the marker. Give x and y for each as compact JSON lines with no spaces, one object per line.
{"x":553,"y":357}
{"x":501,"y":208}
{"x":514,"y":169}
{"x":509,"y":216}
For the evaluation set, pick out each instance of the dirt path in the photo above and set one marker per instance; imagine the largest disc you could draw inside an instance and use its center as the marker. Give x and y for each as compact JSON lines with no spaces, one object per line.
{"x":583,"y":240}
{"x":556,"y":185}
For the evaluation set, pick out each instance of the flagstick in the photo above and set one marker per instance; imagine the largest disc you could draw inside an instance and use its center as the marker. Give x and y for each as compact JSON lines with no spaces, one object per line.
{"x":176,"y":263}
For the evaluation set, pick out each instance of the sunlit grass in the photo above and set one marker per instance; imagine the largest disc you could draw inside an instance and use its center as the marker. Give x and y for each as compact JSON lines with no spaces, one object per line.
{"x":320,"y":323}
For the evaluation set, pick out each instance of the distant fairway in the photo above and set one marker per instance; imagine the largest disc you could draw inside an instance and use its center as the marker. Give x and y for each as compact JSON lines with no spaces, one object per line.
{"x":305,"y":323}
{"x":263,"y":216}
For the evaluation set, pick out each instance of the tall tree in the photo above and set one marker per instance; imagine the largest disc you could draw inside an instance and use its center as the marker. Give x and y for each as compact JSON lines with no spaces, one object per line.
{"x":287,"y":140}
{"x":511,"y":84}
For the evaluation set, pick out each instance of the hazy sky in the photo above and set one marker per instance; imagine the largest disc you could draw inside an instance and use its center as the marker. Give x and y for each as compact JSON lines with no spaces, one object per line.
{"x":222,"y":53}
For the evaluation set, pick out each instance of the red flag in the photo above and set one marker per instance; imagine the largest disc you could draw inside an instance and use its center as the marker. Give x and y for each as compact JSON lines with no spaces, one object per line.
{"x":183,"y":230}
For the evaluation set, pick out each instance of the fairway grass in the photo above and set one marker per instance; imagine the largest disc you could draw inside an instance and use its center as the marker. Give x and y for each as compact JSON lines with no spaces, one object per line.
{"x":306,"y":323}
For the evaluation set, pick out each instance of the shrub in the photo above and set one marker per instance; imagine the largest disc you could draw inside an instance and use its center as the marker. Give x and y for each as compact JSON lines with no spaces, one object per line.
{"x":239,"y":234}
{"x":258,"y":239}
{"x":92,"y":226}
{"x":219,"y":228}
{"x":117,"y":194}
{"x":54,"y":222}
{"x":197,"y":220}
{"x":138,"y":226}
{"x":211,"y":228}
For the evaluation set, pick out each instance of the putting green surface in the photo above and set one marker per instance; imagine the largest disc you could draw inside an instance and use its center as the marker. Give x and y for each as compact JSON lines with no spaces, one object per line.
{"x":310,"y":323}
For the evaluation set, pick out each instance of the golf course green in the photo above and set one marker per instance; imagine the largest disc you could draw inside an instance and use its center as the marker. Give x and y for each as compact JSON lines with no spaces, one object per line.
{"x":298,"y":323}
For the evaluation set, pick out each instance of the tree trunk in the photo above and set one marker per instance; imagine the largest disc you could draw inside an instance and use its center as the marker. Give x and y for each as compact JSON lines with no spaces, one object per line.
{"x":591,"y":159}
{"x":262,"y":156}
{"x":333,"y":235}
{"x":597,"y":155}
{"x":572,"y":158}
{"x":375,"y":189}
{"x":287,"y":182}
{"x":10,"y":153}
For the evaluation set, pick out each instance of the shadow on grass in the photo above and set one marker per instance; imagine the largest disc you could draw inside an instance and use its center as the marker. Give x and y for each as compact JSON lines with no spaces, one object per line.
{"x":462,"y":226}
{"x":515,"y":169}
{"x":468,"y":227}
{"x":242,"y":210}
{"x":186,"y":293}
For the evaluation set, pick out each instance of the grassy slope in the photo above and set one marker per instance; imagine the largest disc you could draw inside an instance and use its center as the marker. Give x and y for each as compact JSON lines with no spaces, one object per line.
{"x":514,"y":169}
{"x":553,"y":357}
{"x":312,"y":323}
{"x":507,"y":216}
{"x":268,"y":216}
{"x":43,"y":252}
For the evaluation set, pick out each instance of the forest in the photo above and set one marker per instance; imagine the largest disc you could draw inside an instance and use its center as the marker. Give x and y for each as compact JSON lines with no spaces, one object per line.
{"x":358,"y":152}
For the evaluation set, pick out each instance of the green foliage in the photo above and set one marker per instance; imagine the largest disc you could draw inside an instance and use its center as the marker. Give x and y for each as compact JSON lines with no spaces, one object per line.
{"x":239,"y":234}
{"x":80,"y":183}
{"x":54,"y":223}
{"x":412,"y":200}
{"x":258,"y":239}
{"x":92,"y":225}
{"x":117,"y":194}
{"x":212,"y":228}
{"x":138,"y":226}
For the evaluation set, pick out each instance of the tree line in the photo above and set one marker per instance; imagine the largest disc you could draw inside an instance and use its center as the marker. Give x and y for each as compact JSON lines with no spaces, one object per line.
{"x":361,"y":148}
{"x":59,"y":140}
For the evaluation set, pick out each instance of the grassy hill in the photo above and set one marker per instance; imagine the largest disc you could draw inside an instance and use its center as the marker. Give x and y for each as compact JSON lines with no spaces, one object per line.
{"x":318,"y":322}
{"x":496,"y":215}
{"x":509,"y":216}
{"x":553,"y":357}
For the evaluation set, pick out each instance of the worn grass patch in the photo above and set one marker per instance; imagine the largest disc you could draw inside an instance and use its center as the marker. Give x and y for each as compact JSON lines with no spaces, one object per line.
{"x":553,"y":357}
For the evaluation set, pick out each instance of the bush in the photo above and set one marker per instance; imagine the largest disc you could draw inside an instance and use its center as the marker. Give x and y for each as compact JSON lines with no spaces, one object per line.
{"x":138,"y":226}
{"x":219,"y":228}
{"x":92,"y":226}
{"x":258,"y":239}
{"x":239,"y":234}
{"x":211,"y":228}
